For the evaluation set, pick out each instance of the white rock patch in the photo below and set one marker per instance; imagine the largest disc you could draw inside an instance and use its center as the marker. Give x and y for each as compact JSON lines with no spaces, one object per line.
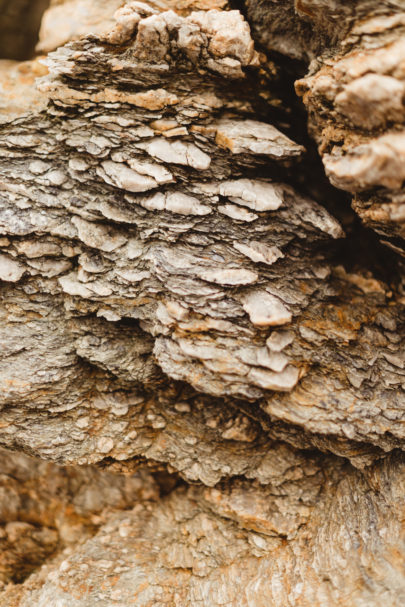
{"x":177,"y":152}
{"x":254,"y":194}
{"x":115,"y":173}
{"x":266,"y":310}
{"x":259,"y":252}
{"x":10,"y":270}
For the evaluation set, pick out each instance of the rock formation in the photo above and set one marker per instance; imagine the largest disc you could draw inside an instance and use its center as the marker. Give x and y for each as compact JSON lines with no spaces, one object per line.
{"x":195,"y":326}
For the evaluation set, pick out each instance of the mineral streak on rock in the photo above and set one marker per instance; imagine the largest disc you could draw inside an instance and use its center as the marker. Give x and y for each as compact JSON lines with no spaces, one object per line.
{"x":168,"y":299}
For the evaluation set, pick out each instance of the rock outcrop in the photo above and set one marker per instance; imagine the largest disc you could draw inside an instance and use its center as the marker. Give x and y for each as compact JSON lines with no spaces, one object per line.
{"x":176,"y":307}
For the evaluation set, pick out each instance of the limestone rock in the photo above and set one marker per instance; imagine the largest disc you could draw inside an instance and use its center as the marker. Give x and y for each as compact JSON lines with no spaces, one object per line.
{"x":120,"y":252}
{"x":64,"y":21}
{"x":18,"y":93}
{"x":243,"y":545}
{"x":355,"y":103}
{"x":176,"y":297}
{"x":46,"y":510}
{"x":67,"y":20}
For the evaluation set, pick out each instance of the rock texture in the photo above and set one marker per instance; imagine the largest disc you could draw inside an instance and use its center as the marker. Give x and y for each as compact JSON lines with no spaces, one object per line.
{"x":46,"y":510}
{"x":354,"y":94}
{"x":172,"y":297}
{"x":247,"y":546}
{"x":361,"y":133}
{"x":322,"y":534}
{"x":67,"y":20}
{"x":18,"y":93}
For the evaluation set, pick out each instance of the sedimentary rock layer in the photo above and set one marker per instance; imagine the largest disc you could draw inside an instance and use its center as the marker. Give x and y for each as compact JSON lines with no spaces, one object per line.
{"x":171,"y":297}
{"x":323,"y":534}
{"x":354,"y":95}
{"x":131,"y":210}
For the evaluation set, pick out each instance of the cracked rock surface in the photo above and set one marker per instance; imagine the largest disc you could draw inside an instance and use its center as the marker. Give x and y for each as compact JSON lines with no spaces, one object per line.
{"x":175,"y":302}
{"x":242,"y":544}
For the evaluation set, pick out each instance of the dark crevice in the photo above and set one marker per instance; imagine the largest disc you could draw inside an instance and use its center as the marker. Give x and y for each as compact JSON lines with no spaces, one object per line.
{"x":361,"y":250}
{"x":20,"y":21}
{"x":167,"y":481}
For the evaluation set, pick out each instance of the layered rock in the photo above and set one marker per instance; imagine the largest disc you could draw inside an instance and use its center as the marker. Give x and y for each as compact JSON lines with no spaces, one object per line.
{"x":361,"y":134}
{"x":324,"y":534}
{"x":172,"y":296}
{"x":67,"y":20}
{"x":353,"y":93}
{"x":130,"y":204}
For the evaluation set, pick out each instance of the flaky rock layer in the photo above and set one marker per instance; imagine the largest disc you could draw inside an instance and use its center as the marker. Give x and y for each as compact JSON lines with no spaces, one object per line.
{"x":171,"y":296}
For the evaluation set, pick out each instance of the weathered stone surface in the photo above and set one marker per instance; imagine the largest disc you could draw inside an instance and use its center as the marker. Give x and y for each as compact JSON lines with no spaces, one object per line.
{"x":116,"y":248}
{"x":18,"y":93}
{"x":171,"y":296}
{"x":46,"y":511}
{"x":356,"y":109}
{"x":67,"y":20}
{"x":323,"y":535}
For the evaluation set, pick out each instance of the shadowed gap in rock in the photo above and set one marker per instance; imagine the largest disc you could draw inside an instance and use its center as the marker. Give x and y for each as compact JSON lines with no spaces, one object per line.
{"x":20,"y":21}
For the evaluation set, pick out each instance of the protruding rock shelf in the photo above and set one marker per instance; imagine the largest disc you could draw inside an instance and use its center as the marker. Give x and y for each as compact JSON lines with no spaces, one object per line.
{"x":175,"y":308}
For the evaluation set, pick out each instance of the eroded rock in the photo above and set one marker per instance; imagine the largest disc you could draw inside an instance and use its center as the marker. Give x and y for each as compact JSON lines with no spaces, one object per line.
{"x":245,"y":545}
{"x":169,"y":299}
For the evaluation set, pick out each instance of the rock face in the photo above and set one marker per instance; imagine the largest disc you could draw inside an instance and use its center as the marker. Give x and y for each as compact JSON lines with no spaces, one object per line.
{"x":17,"y":88}
{"x":354,"y":94}
{"x":46,"y":510}
{"x":173,"y":301}
{"x":245,"y":545}
{"x":67,"y":20}
{"x":361,"y":134}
